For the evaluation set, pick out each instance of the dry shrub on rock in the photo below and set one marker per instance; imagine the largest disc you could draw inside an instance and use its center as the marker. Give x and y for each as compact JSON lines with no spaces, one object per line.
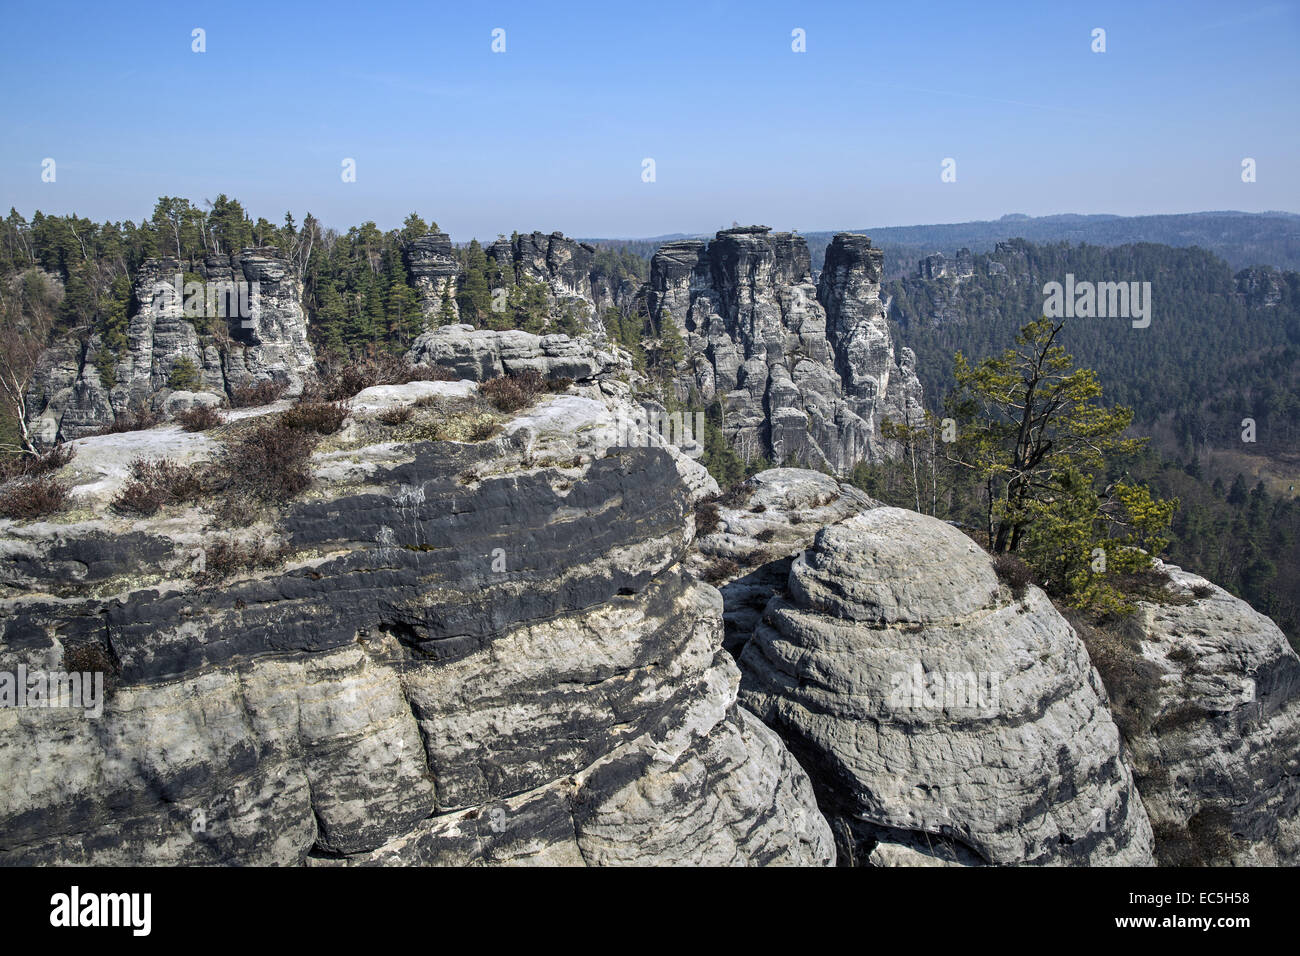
{"x":133,"y":420}
{"x":155,"y":484}
{"x":29,"y":466}
{"x":268,"y":464}
{"x":323,"y":418}
{"x":510,"y":393}
{"x":200,"y":418}
{"x":37,"y":496}
{"x":256,"y":395}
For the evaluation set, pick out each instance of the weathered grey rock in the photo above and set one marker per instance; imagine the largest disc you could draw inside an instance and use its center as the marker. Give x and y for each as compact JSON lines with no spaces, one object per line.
{"x":435,"y":271}
{"x":925,"y":702}
{"x":470,"y":652}
{"x":1219,"y":761}
{"x":563,"y":265}
{"x":480,"y":354}
{"x":69,"y":397}
{"x":806,"y":372}
{"x":762,"y":526}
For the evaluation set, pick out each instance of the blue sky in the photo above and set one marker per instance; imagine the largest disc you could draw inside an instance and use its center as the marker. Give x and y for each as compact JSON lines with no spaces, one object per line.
{"x":551,"y":134}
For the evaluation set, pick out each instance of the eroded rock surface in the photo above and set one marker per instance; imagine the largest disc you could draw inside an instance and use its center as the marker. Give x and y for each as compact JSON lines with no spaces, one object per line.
{"x":481,"y":354}
{"x":761,"y":527}
{"x":806,"y":371}
{"x":467,"y":652}
{"x":1219,"y":760}
{"x":929,"y":705}
{"x":232,"y":342}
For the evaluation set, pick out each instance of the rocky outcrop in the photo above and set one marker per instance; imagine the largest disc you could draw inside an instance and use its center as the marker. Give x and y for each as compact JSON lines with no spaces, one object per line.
{"x":937,"y":266}
{"x":805,"y":372}
{"x":480,"y":354}
{"x":938,"y":715}
{"x":460,"y":652}
{"x":563,"y":265}
{"x":197,"y":339}
{"x":762,"y":525}
{"x":435,"y":273}
{"x":1218,"y":760}
{"x":1264,"y":287}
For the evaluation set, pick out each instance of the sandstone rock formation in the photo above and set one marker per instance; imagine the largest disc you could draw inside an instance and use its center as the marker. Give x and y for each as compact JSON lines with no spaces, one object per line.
{"x":936,"y":714}
{"x":480,"y":354}
{"x":563,"y":265}
{"x":574,"y":285}
{"x":463,"y":652}
{"x":70,"y":396}
{"x":435,"y":271}
{"x":762,"y":526}
{"x":1219,"y":759}
{"x":805,"y":372}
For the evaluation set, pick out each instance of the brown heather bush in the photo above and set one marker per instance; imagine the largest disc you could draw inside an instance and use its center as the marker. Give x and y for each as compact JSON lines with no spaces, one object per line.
{"x":224,"y":559}
{"x":510,"y":393}
{"x":29,"y":466}
{"x":36,"y":496}
{"x":767,"y":534}
{"x":200,"y":418}
{"x":1131,"y":680}
{"x":256,"y":395}
{"x":323,"y":418}
{"x":706,"y":518}
{"x":397,"y":415}
{"x":737,"y":495}
{"x":428,"y":373}
{"x":341,"y":379}
{"x":133,"y":420}
{"x":1202,"y":591}
{"x":720,"y":570}
{"x":557,"y":386}
{"x":268,"y":464}
{"x":155,"y":484}
{"x":1014,"y":573}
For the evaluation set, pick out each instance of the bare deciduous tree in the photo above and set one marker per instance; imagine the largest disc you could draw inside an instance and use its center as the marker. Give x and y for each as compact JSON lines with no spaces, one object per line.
{"x":28,"y":306}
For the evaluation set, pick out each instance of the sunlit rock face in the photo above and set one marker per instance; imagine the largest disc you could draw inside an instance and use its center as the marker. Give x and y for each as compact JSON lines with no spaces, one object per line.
{"x":480,"y":652}
{"x":805,"y":370}
{"x":937,"y":714}
{"x":194,"y":329}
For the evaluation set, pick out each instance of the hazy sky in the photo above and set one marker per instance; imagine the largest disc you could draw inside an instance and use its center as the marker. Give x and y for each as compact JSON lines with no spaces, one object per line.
{"x":552,"y":133}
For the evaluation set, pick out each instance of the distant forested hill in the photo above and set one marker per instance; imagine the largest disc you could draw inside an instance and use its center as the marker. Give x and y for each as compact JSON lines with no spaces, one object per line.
{"x":1241,"y":239}
{"x":1222,"y":347}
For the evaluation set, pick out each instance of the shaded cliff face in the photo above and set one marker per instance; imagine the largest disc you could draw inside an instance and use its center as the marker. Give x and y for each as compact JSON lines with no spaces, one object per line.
{"x":220,"y":348}
{"x":479,"y":652}
{"x":805,"y":372}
